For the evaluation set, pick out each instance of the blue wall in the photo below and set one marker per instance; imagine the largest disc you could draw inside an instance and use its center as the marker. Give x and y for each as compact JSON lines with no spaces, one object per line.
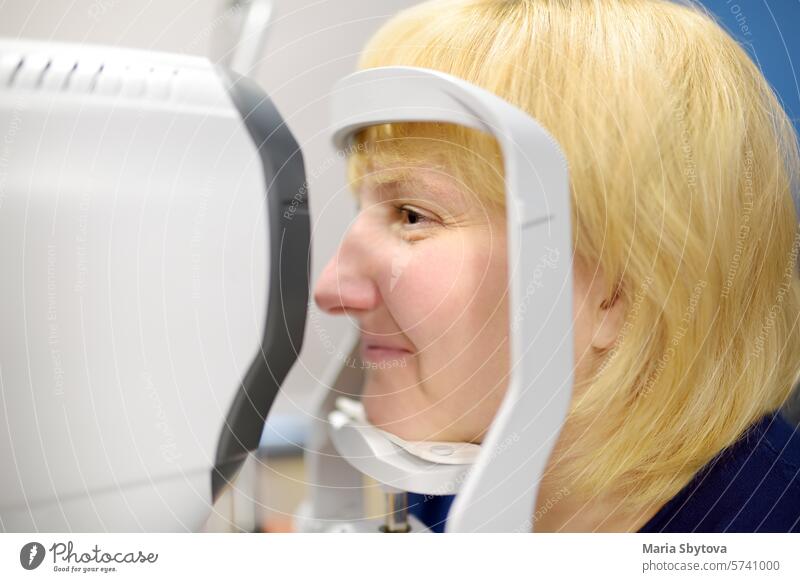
{"x":770,"y":31}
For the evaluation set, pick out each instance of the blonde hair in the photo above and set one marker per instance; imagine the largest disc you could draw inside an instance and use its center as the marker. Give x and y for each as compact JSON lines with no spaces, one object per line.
{"x":682,"y":164}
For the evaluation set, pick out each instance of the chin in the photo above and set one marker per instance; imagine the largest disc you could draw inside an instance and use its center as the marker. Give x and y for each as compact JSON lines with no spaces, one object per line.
{"x":382,"y":413}
{"x":394,"y":413}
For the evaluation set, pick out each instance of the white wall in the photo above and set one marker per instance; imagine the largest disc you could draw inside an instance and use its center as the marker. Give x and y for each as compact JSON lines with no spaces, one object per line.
{"x":310,"y":45}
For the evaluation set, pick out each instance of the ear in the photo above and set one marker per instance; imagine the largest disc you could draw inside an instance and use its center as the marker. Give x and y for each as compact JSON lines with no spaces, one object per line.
{"x":608,"y":319}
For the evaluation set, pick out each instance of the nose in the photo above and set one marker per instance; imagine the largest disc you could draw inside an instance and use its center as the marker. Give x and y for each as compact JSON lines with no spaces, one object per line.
{"x":347,"y":284}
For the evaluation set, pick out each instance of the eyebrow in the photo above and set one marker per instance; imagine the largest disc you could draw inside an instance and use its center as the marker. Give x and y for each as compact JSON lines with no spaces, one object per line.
{"x":391,"y":177}
{"x":404,"y":182}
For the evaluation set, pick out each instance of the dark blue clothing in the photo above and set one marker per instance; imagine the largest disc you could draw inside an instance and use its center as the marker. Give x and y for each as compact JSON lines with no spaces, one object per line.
{"x":752,"y":486}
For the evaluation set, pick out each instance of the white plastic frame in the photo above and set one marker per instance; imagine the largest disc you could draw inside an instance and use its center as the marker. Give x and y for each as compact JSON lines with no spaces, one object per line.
{"x":500,"y":491}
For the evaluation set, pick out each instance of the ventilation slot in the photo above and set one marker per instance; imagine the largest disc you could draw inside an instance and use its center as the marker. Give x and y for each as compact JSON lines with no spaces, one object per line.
{"x":33,"y":72}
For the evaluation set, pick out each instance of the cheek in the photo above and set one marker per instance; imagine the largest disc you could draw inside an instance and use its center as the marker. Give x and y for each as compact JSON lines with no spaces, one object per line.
{"x":437,"y":287}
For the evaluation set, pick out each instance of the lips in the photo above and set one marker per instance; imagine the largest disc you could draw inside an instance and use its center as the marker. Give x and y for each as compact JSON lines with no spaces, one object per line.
{"x":373,"y":350}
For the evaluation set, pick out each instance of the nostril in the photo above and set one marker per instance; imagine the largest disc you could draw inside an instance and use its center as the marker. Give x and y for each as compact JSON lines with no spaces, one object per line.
{"x":345,"y":287}
{"x":325,"y":301}
{"x":330,"y":301}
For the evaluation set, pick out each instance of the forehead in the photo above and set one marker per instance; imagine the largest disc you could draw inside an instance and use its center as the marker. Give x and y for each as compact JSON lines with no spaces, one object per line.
{"x":399,"y":158}
{"x":416,"y":181}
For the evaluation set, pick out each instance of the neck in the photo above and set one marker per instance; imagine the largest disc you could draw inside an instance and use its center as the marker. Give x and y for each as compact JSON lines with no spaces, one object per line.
{"x":560,"y":508}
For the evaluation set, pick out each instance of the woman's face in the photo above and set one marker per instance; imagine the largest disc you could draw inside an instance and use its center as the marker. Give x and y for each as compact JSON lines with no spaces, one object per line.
{"x":422,"y":272}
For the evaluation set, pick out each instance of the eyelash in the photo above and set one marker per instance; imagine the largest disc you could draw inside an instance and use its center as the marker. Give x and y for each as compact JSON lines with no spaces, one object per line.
{"x":421,"y":218}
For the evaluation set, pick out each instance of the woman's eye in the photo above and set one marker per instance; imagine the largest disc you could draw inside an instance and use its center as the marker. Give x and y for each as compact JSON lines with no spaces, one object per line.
{"x":413,"y":217}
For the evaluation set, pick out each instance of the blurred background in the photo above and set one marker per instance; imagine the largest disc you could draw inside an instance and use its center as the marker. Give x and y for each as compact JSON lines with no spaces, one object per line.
{"x":308,"y":45}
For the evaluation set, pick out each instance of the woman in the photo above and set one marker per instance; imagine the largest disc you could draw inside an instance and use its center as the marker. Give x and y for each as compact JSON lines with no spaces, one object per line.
{"x":686,"y":292}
